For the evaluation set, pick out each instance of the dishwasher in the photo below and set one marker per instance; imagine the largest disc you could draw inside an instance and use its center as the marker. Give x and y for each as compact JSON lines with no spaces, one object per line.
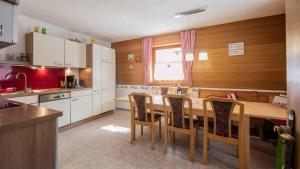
{"x":60,"y":102}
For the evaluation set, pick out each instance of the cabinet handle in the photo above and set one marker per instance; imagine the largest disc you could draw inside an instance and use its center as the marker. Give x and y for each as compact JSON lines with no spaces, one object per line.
{"x":74,"y":99}
{"x":1,"y":27}
{"x":57,"y":63}
{"x":0,"y":33}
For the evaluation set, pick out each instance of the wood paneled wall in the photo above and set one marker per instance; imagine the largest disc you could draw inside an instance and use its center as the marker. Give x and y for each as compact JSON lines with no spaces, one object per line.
{"x":262,"y":67}
{"x":293,"y":65}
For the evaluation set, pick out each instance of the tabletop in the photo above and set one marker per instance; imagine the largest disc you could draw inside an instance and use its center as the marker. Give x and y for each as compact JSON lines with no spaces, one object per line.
{"x":252,"y":109}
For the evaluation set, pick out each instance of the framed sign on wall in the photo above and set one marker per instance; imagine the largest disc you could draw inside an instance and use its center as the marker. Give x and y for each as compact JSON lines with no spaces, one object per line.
{"x":236,"y":49}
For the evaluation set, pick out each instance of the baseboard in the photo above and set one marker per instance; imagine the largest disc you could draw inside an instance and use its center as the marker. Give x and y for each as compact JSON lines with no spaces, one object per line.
{"x":79,"y":123}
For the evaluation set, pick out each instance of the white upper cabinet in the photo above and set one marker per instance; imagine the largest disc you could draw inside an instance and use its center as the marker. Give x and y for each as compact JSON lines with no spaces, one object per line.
{"x":6,"y":22}
{"x":75,"y":54}
{"x":45,"y":50}
{"x":108,"y":55}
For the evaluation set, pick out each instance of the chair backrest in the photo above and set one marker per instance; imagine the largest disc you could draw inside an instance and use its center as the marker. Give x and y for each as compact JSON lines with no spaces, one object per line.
{"x":184,"y":91}
{"x":175,"y":110}
{"x":141,"y":104}
{"x":222,"y":110}
{"x":164,"y":90}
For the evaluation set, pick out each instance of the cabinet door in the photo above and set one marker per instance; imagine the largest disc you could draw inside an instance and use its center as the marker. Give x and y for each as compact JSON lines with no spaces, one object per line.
{"x":108,"y":102}
{"x":6,"y":22}
{"x":96,"y":69}
{"x":60,"y":105}
{"x":97,"y":104}
{"x":108,"y":86}
{"x":108,"y":77}
{"x":48,"y":50}
{"x":75,"y":54}
{"x":108,"y":55}
{"x":81,"y":108}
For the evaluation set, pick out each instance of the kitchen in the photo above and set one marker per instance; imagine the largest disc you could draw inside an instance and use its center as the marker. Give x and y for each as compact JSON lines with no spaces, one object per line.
{"x":70,"y":82}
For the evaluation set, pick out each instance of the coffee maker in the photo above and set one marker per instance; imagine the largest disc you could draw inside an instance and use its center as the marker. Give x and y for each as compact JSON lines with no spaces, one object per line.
{"x":70,"y":81}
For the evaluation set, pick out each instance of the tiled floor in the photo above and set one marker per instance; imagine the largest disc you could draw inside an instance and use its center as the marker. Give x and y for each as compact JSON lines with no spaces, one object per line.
{"x":104,"y":144}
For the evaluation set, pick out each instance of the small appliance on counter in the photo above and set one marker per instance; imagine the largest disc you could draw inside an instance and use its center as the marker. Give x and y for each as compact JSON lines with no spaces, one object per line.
{"x":70,"y":81}
{"x":73,"y":82}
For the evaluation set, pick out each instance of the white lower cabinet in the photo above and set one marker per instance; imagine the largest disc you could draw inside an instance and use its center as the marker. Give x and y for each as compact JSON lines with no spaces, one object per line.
{"x":108,"y":102}
{"x":81,"y":108}
{"x":63,"y":106}
{"x":97,"y":104}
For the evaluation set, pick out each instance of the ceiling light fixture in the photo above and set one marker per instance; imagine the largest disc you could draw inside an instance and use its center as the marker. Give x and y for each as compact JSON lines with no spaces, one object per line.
{"x":190,"y":12}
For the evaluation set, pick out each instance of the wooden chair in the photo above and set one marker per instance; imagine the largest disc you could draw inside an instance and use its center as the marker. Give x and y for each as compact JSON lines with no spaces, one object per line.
{"x":142,"y":113}
{"x":179,"y":119}
{"x":164,"y":90}
{"x":221,"y":129}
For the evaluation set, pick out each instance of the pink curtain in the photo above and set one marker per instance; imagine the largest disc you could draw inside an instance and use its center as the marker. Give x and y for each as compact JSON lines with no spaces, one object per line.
{"x":187,"y":41}
{"x":147,"y":53}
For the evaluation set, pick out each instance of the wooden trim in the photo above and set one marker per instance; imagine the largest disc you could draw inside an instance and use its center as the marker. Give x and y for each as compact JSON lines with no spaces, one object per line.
{"x":221,"y":139}
{"x":79,"y":123}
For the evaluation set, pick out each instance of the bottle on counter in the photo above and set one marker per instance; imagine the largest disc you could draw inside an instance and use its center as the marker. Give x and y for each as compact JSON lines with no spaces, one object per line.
{"x":179,"y":90}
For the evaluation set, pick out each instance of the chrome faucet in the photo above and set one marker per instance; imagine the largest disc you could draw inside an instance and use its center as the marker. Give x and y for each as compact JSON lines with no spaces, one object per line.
{"x":26,"y":90}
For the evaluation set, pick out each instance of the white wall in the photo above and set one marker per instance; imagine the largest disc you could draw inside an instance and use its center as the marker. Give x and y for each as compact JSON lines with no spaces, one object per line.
{"x":26,"y":25}
{"x":293,"y":66}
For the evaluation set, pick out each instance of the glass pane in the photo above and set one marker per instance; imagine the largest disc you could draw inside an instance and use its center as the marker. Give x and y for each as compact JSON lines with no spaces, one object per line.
{"x":168,"y":64}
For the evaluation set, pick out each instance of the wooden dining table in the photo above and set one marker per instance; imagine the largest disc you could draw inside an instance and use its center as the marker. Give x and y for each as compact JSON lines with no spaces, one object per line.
{"x":252,"y":109}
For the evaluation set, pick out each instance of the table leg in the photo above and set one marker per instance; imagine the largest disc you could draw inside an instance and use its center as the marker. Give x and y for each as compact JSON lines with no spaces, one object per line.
{"x":245,"y":158}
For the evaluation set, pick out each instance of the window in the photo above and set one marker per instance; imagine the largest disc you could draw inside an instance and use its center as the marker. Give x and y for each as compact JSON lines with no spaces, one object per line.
{"x":168,"y":65}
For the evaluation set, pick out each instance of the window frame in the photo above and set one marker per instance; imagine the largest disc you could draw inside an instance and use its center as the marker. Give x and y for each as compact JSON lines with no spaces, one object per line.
{"x":163,"y":82}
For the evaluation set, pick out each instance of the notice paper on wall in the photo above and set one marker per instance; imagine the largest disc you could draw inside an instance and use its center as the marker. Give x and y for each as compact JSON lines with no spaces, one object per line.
{"x":236,"y":49}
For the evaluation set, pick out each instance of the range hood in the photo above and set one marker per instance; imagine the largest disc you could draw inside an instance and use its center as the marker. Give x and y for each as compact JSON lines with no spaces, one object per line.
{"x":8,"y":22}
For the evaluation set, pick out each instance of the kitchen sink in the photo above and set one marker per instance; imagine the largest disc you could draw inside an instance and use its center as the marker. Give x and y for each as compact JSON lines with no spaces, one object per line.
{"x":7,"y":104}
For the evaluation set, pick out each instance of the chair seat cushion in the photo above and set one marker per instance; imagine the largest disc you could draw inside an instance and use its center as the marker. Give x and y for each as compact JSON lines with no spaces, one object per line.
{"x":156,"y":117}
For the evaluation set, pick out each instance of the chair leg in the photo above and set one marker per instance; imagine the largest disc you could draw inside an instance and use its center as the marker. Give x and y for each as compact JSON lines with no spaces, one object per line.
{"x":166,"y":135}
{"x":237,"y":151}
{"x":160,"y":128}
{"x":174,"y":138}
{"x":205,"y":145}
{"x":142,"y":129}
{"x":132,"y":133}
{"x":197,"y":139}
{"x":192,"y":147}
{"x":153,"y":136}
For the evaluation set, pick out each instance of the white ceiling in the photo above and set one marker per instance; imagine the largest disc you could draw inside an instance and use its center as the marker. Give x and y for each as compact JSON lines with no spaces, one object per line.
{"x":117,"y":20}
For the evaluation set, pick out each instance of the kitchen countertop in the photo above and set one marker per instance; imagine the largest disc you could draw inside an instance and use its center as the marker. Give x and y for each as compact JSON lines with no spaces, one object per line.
{"x":23,"y":115}
{"x":40,"y":92}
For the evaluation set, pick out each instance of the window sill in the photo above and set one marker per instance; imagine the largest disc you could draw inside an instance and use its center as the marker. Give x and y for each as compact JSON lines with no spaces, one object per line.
{"x":166,"y":83}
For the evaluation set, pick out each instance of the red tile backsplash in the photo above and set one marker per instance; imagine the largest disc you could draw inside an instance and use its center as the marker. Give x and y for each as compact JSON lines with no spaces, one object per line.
{"x":36,"y":78}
